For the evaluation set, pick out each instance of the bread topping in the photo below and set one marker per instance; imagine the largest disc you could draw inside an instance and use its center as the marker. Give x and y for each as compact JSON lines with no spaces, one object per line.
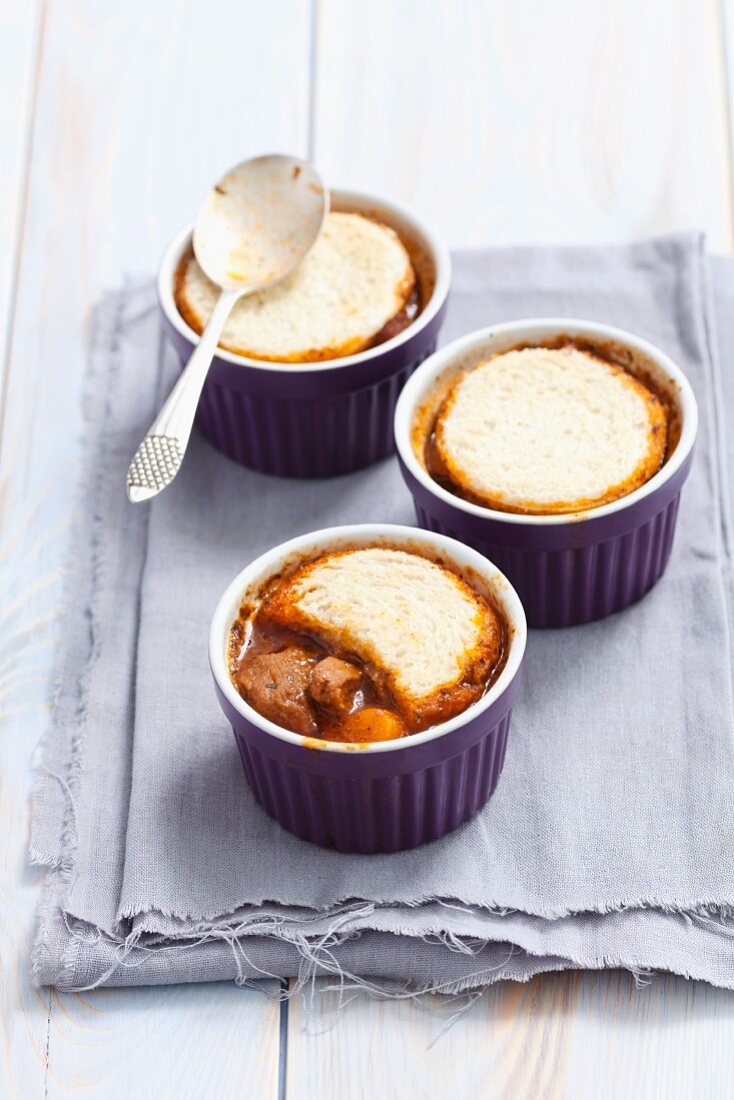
{"x":545,"y":430}
{"x":365,"y":645}
{"x":356,"y":288}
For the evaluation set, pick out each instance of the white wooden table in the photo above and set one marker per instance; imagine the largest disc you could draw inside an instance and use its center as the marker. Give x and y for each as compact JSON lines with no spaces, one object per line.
{"x":502,"y":121}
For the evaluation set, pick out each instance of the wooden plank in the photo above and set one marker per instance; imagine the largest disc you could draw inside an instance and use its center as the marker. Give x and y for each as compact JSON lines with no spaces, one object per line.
{"x":138,"y":108}
{"x":20,"y":40}
{"x":199,"y":1040}
{"x":726,"y":28}
{"x":562,"y":1035}
{"x":23,"y":1010}
{"x":504,"y":122}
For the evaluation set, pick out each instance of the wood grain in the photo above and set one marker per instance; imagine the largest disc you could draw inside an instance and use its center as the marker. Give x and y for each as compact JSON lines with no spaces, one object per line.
{"x":562,"y":1035}
{"x":20,"y":41}
{"x":212,"y":1040}
{"x":505,"y":122}
{"x":138,"y":106}
{"x":23,"y":1009}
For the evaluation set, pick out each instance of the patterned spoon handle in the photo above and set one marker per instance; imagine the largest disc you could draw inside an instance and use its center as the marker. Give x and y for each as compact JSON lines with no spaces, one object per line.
{"x":158,"y":458}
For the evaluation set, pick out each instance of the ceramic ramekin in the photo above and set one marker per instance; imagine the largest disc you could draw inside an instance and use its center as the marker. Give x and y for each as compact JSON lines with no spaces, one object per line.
{"x":315,"y":419}
{"x":567,"y":569}
{"x":388,"y":795}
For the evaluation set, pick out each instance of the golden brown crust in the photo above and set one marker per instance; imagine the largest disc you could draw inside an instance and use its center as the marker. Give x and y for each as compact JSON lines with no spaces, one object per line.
{"x":441,"y":466}
{"x":408,"y":294}
{"x":480,"y":664}
{"x":254,"y":632}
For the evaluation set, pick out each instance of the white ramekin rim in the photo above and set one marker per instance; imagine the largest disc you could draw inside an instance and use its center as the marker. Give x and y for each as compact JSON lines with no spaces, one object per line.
{"x":541,"y":328}
{"x":328,"y":538}
{"x":439,"y":256}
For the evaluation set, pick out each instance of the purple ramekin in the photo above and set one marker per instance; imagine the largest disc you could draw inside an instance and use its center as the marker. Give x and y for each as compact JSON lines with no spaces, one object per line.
{"x":314,"y":419}
{"x":567,"y":569}
{"x":388,"y":795}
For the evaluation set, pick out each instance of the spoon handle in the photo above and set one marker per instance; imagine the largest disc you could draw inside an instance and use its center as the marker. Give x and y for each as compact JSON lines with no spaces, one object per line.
{"x":159,"y":457}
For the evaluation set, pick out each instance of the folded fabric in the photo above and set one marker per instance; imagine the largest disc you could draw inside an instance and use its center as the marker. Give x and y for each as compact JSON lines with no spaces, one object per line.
{"x":608,"y":841}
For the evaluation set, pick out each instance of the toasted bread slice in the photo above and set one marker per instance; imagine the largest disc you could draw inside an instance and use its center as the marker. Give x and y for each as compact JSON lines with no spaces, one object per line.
{"x":357,"y":278}
{"x":549,"y":430}
{"x":418,"y":625}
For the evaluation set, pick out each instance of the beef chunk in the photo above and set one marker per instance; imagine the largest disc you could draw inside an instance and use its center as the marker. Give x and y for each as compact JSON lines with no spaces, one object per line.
{"x":275,"y":685}
{"x":334,"y":684}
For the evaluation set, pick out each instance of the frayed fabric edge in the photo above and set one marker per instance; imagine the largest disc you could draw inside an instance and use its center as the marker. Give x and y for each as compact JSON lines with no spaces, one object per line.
{"x":317,"y":957}
{"x":59,"y":754}
{"x":150,"y":915}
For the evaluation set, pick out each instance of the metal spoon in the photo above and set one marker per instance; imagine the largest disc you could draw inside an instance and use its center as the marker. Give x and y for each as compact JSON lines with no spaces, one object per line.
{"x":254,"y":227}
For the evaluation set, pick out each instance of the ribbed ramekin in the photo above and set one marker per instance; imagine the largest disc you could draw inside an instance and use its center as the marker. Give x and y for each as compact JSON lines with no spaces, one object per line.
{"x":567,"y":569}
{"x":314,"y":419}
{"x":388,"y":795}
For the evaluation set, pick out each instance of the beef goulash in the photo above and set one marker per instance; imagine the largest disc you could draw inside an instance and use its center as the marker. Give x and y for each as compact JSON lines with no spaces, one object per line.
{"x":364,"y":645}
{"x":356,"y":288}
{"x":543,"y":430}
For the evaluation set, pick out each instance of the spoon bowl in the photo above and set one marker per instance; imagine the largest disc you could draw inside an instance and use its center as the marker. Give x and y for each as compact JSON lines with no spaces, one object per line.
{"x":259,"y":221}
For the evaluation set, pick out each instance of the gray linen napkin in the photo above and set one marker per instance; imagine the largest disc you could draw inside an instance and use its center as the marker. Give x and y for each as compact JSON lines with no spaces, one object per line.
{"x":609,"y":840}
